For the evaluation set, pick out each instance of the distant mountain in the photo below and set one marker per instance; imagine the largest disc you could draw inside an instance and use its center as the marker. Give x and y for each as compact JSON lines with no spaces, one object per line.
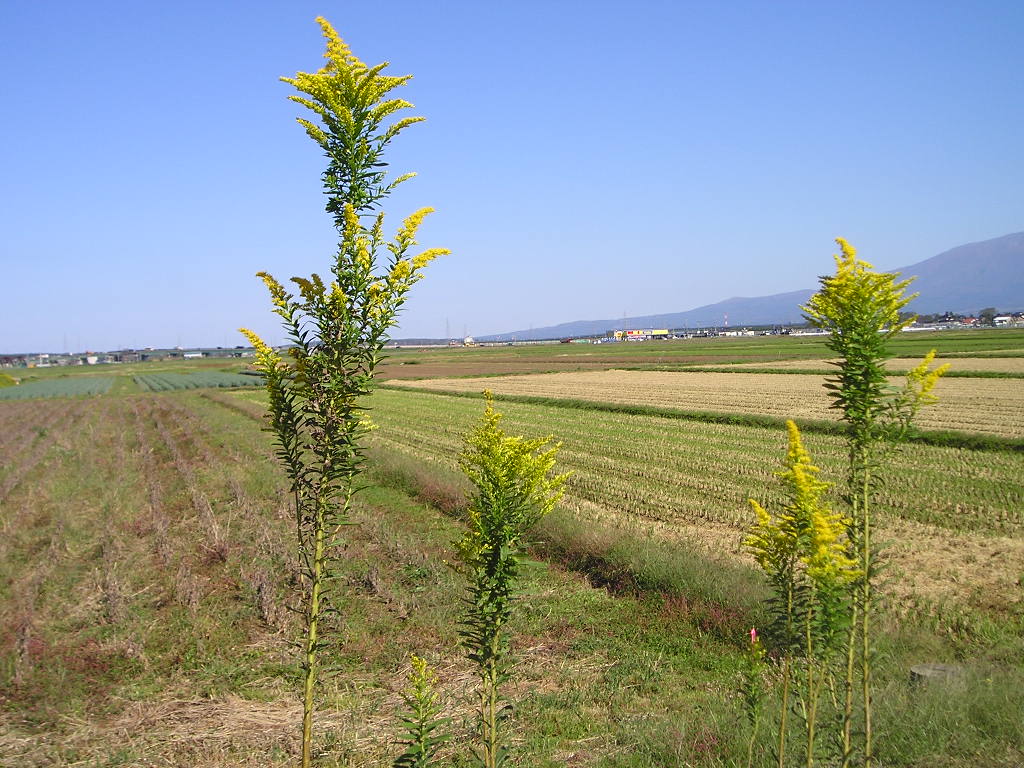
{"x":971,"y":277}
{"x":964,"y":279}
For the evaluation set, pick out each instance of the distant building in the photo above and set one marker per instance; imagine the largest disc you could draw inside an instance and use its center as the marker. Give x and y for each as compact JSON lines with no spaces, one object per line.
{"x":640,"y":334}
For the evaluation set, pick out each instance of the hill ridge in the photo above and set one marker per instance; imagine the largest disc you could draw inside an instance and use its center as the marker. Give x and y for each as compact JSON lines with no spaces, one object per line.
{"x":962,"y":279}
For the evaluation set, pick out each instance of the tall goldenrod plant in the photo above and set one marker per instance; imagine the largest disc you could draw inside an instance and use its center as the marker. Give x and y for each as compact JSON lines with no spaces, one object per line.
{"x":861,"y":308}
{"x":515,"y":488}
{"x":804,"y":553}
{"x":337,"y":326}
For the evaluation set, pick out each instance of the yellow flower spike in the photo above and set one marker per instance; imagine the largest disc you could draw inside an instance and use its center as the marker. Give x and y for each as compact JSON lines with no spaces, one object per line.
{"x":407,"y":233}
{"x":848,"y":259}
{"x":315,"y":132}
{"x":351,"y":220}
{"x":763,"y":518}
{"x":375,"y":294}
{"x":389,"y":108}
{"x":338,"y":297}
{"x":395,"y":129}
{"x":807,"y":529}
{"x":266,"y":358}
{"x":340,"y":58}
{"x":255,"y":341}
{"x":401,"y":271}
{"x":419,"y":262}
{"x":278,"y":296}
{"x":921,"y":380}
{"x":855,"y":284}
{"x":796,"y":453}
{"x":933,"y":377}
{"x":310,"y":290}
{"x":926,"y":363}
{"x":364,"y":260}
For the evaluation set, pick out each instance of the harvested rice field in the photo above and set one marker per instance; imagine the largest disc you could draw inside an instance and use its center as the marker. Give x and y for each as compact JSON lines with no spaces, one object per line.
{"x":903,"y":364}
{"x":984,"y":406}
{"x":944,"y":509}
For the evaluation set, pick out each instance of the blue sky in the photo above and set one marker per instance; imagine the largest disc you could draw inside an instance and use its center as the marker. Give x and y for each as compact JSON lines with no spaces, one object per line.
{"x":586,"y":159}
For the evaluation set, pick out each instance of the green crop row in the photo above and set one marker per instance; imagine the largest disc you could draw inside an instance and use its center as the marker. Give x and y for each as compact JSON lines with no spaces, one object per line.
{"x":167,"y":382}
{"x":72,"y":386}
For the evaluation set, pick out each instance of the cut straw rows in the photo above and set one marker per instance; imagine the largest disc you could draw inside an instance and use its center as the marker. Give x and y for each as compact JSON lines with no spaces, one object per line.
{"x":986,"y":406}
{"x":902,"y":364}
{"x":692,"y":480}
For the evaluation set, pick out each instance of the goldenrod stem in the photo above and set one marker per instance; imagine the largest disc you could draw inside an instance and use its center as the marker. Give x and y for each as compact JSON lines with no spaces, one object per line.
{"x":490,"y":723}
{"x":851,"y":655}
{"x":312,"y":624}
{"x":811,"y":690}
{"x":865,"y":622}
{"x":785,"y":710}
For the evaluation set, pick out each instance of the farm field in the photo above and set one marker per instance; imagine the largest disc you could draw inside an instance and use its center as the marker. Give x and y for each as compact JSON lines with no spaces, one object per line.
{"x":945,"y":511}
{"x":1014,"y":365}
{"x":445,"y":362}
{"x":147,"y":571}
{"x":147,"y":561}
{"x":128,"y":369}
{"x":69,"y":387}
{"x":163,"y":382}
{"x":988,"y":406}
{"x":121,"y":379}
{"x":146,"y":574}
{"x":420,"y":362}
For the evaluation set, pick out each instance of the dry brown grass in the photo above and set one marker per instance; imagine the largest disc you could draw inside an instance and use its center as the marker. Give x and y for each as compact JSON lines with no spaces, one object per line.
{"x":218,"y":733}
{"x":987,"y":406}
{"x":226,"y":731}
{"x":929,"y":563}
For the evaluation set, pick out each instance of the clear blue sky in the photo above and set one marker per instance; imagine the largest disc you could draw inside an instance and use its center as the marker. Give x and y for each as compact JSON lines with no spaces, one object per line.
{"x":586,"y":159}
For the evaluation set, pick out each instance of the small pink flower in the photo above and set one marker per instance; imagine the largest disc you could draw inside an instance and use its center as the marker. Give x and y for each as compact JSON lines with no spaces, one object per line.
{"x":753,"y":636}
